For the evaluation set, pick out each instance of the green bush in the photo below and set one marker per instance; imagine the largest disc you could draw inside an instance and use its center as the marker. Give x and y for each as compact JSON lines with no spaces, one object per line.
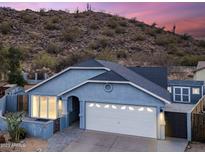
{"x":22,"y":133}
{"x":53,"y":48}
{"x":44,"y":60}
{"x":14,"y":121}
{"x":71,"y":34}
{"x":5,"y":27}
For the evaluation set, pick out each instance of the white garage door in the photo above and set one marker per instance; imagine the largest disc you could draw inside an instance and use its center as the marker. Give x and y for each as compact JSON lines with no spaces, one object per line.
{"x":123,"y":119}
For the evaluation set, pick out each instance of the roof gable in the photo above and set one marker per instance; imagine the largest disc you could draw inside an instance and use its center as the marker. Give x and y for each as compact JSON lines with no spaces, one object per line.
{"x":137,"y":79}
{"x":109,"y":76}
{"x":158,"y":75}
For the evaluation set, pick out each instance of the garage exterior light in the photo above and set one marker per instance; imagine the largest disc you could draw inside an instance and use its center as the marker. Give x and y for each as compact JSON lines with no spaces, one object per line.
{"x":107,"y":106}
{"x":131,"y":108}
{"x":149,"y":110}
{"x":114,"y":107}
{"x":97,"y":105}
{"x":141,"y":109}
{"x":123,"y":107}
{"x":91,"y":105}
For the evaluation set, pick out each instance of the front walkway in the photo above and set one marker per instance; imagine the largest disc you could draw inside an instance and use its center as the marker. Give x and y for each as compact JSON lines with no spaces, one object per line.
{"x":74,"y":139}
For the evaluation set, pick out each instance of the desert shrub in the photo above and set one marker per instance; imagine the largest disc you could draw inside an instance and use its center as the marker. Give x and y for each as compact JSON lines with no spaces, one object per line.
{"x":71,"y":34}
{"x":150,"y":32}
{"x":172,"y":49}
{"x":112,"y":23}
{"x":186,"y":37}
{"x":27,"y":18}
{"x":44,"y":60}
{"x":202,"y":43}
{"x":121,"y":54}
{"x":51,"y":26}
{"x":15,"y":57}
{"x":123,"y":23}
{"x":101,"y":42}
{"x":108,"y":32}
{"x":106,"y":54}
{"x":120,"y":30}
{"x":138,"y":37}
{"x":14,"y":121}
{"x":141,"y":25}
{"x":164,"y":40}
{"x":94,"y":26}
{"x":192,"y":60}
{"x":133,"y":20}
{"x":72,"y":59}
{"x":42,"y":12}
{"x":5,"y":27}
{"x":55,"y":19}
{"x":53,"y":48}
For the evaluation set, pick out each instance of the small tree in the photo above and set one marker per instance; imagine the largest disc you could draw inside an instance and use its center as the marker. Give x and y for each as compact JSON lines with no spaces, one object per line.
{"x":14,"y":58}
{"x":14,"y":121}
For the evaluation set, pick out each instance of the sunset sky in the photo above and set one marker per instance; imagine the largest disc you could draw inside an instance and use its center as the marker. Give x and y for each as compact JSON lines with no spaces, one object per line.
{"x":188,"y":17}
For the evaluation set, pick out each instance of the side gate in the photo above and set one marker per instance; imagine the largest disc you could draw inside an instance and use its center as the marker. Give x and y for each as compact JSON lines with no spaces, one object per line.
{"x":198,"y":121}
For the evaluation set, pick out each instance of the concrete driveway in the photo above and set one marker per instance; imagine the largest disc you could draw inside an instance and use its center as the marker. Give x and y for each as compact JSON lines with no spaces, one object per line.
{"x":74,"y":139}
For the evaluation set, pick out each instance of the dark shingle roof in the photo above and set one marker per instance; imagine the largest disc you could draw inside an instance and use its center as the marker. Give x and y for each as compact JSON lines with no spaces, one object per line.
{"x":89,"y":63}
{"x":185,"y":82}
{"x":109,"y":76}
{"x":157,"y":75}
{"x":136,"y":79}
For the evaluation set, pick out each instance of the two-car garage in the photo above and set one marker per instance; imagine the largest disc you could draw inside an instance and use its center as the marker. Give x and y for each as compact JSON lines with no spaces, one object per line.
{"x":123,"y":119}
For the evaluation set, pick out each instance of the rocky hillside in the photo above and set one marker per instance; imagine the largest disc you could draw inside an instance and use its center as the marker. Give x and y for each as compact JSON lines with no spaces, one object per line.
{"x":56,"y":39}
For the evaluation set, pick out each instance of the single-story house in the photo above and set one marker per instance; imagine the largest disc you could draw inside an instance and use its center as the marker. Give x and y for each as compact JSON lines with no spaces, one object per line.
{"x":104,"y":96}
{"x":199,"y":74}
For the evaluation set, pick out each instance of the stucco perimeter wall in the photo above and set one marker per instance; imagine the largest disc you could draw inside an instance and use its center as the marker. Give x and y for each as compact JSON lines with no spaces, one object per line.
{"x":121,"y":94}
{"x":65,"y":81}
{"x":200,"y":75}
{"x":33,"y":128}
{"x":2,"y":105}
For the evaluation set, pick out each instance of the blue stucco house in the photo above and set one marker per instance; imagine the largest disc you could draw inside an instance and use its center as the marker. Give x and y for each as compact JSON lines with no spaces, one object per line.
{"x":104,"y":96}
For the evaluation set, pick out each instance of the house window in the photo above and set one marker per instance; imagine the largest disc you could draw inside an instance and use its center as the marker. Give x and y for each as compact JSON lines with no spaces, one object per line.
{"x":182,"y":94}
{"x":195,"y":91}
{"x":169,"y":89}
{"x":60,"y":107}
{"x":44,"y":107}
{"x":52,"y":108}
{"x":35,"y":106}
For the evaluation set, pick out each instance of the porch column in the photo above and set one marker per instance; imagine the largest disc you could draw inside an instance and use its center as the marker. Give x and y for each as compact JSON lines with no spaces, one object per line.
{"x":82,"y":114}
{"x":65,"y":112}
{"x":161,"y":124}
